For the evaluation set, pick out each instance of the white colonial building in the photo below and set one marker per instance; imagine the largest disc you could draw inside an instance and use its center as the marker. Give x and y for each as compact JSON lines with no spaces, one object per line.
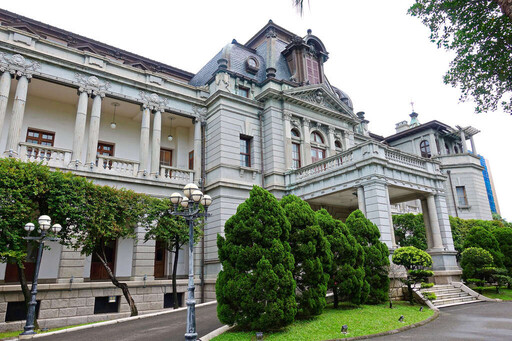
{"x":259,"y":113}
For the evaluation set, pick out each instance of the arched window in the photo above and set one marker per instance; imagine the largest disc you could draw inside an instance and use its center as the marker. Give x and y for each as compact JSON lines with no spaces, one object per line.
{"x":316,"y":137}
{"x":317,"y":148}
{"x":337,"y":144}
{"x":425,"y":149}
{"x":295,"y":133}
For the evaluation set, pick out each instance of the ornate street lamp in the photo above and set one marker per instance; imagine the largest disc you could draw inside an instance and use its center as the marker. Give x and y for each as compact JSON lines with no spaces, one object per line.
{"x":44,"y":225}
{"x":193,"y":198}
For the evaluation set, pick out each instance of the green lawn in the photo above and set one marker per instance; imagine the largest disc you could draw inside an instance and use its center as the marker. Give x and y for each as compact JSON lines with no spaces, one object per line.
{"x":505,"y":294}
{"x":6,"y":335}
{"x":363,"y":320}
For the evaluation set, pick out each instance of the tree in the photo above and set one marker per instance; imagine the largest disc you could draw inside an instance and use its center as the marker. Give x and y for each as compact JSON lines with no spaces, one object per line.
{"x":346,"y":275}
{"x":461,"y":227}
{"x":255,"y":288}
{"x":476,"y":264}
{"x":171,"y":230}
{"x":410,"y":230}
{"x":416,"y":262}
{"x":480,"y":237}
{"x":312,"y":254}
{"x":376,"y":255}
{"x":108,"y":214}
{"x":504,"y":237}
{"x":480,"y":34}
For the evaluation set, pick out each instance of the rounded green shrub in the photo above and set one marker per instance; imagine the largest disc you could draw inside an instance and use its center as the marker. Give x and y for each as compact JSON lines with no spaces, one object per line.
{"x":473,"y":261}
{"x":481,"y":237}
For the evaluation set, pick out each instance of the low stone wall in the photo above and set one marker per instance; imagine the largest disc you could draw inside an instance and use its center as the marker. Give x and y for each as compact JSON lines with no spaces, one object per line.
{"x":62,"y":306}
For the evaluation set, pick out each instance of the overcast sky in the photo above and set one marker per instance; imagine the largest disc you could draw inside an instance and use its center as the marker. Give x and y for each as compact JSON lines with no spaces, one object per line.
{"x":378,"y":54}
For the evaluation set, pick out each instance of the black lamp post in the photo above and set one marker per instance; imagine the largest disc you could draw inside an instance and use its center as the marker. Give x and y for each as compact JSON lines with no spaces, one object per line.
{"x":44,"y":225}
{"x":193,"y":197}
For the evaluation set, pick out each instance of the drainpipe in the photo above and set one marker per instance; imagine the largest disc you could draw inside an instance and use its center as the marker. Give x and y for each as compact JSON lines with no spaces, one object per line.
{"x":453,"y":194}
{"x":203,"y":179}
{"x":260,"y":116}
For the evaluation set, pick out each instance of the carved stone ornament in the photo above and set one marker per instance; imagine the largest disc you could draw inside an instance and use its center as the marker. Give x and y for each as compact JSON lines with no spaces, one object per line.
{"x":307,"y":122}
{"x":271,"y":33}
{"x":92,"y":85}
{"x":316,"y":97}
{"x":200,"y":113}
{"x":153,"y":102}
{"x":296,"y":123}
{"x":331,"y":130}
{"x":287,"y":116}
{"x":17,"y":65}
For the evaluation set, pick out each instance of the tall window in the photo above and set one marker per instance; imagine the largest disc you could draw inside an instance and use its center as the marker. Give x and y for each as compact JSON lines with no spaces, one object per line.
{"x":165,"y":157}
{"x":447,"y":148}
{"x":461,"y":196}
{"x":317,"y":148}
{"x":296,"y":155}
{"x":98,"y":271}
{"x":425,"y":149}
{"x":43,"y":138}
{"x":313,"y":70}
{"x":191,"y":160}
{"x":245,"y":151}
{"x":105,"y":149}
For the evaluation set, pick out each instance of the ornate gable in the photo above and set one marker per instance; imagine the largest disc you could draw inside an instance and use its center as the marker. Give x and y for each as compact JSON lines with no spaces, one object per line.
{"x":318,"y":96}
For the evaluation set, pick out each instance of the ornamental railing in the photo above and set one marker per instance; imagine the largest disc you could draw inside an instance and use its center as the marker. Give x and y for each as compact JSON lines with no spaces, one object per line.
{"x":172,"y":174}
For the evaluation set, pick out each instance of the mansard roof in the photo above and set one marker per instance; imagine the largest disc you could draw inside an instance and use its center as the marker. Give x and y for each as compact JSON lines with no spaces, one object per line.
{"x":79,"y":42}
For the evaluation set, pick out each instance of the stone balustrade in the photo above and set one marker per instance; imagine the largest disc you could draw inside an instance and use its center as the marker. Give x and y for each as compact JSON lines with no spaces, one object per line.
{"x":173,"y":174}
{"x":50,"y":156}
{"x":116,"y":166}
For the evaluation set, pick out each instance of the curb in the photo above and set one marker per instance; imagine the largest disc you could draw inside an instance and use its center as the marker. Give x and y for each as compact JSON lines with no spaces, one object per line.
{"x":215,"y":333}
{"x":106,"y":323}
{"x":391,"y":332}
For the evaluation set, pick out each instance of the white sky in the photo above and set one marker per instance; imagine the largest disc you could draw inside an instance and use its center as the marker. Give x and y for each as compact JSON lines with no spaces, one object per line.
{"x":379,"y":55}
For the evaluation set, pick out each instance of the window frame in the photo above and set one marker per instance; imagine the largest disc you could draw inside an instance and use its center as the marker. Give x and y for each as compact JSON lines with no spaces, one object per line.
{"x":425,"y":149}
{"x":170,"y":152}
{"x":246,"y":162}
{"x":464,"y":196}
{"x":191,"y":160}
{"x":244,"y":89}
{"x":313,"y":64}
{"x":40,"y":139}
{"x":296,"y":162}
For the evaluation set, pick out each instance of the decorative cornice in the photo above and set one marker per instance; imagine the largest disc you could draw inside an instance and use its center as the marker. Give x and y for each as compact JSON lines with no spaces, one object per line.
{"x":92,"y":85}
{"x":287,"y":116}
{"x":153,"y":102}
{"x":17,"y":65}
{"x":200,"y":113}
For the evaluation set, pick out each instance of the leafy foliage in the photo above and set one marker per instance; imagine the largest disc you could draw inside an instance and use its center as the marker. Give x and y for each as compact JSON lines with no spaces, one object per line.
{"x":376,"y":255}
{"x":416,"y":262}
{"x":312,"y":254}
{"x":255,"y":289}
{"x":429,"y":295}
{"x":504,"y":237}
{"x":410,"y":230}
{"x":346,"y":275}
{"x":473,"y":260}
{"x":480,"y":36}
{"x":461,"y":227}
{"x":481,"y":237}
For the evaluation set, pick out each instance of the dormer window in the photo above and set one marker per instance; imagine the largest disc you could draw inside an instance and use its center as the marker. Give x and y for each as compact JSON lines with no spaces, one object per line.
{"x":252,"y":65}
{"x":313,"y":70}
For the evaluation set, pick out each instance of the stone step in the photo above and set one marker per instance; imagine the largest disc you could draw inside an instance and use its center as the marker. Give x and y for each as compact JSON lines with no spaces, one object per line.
{"x":452,"y":295}
{"x":443,"y":292}
{"x":458,"y":303}
{"x":446,"y":301}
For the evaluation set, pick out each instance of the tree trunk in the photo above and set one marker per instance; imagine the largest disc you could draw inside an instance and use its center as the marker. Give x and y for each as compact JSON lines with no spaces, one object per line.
{"x":335,"y":296}
{"x":506,"y":7}
{"x":122,"y":286}
{"x":174,"y":271}
{"x":409,"y":288}
{"x":26,"y":292}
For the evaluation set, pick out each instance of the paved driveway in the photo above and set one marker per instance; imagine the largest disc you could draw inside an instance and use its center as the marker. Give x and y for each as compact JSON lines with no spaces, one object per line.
{"x":478,"y":321}
{"x":167,"y":327}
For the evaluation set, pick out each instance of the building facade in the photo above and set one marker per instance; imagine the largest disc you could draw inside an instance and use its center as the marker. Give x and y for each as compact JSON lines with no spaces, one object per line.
{"x":260,"y":113}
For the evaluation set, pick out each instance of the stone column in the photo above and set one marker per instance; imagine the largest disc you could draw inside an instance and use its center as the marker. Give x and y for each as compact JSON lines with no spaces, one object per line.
{"x":360,"y":200}
{"x":5,"y":87}
{"x":18,"y":112}
{"x":197,"y":148}
{"x":144,"y":141}
{"x":332,"y":147}
{"x":71,"y":266}
{"x":392,"y":229}
{"x":143,"y":262}
{"x":346,"y":140}
{"x":155,"y":147}
{"x":442,"y":150}
{"x":307,"y":141}
{"x":463,"y":141}
{"x":351,"y":142}
{"x":377,"y":208}
{"x":79,"y":134}
{"x":426,"y":221}
{"x":288,"y":163}
{"x":94,"y":131}
{"x":473,"y":148}
{"x":444,"y":221}
{"x":434,"y":223}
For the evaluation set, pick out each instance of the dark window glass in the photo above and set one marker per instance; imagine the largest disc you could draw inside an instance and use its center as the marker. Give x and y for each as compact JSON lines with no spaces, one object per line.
{"x":425,"y":149}
{"x":191,"y":160}
{"x":295,"y":133}
{"x":42,"y":138}
{"x":447,"y":148}
{"x":245,"y":151}
{"x":165,"y":157}
{"x":16,"y":311}
{"x":316,"y":137}
{"x":296,"y":155}
{"x":107,"y":304}
{"x":337,"y":144}
{"x":317,"y":154}
{"x":243,"y":91}
{"x":461,"y":195}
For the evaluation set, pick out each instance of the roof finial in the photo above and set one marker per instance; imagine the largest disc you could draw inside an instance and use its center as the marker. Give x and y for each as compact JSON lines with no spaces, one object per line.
{"x":309,"y":31}
{"x":412,"y":105}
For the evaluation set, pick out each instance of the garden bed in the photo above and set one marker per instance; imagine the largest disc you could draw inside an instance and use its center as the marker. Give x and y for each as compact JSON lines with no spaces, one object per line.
{"x":363,"y":320}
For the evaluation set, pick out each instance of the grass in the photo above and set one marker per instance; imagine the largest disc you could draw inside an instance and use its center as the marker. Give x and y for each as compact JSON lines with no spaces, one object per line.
{"x":505,"y":294}
{"x":6,"y":335}
{"x":363,"y":320}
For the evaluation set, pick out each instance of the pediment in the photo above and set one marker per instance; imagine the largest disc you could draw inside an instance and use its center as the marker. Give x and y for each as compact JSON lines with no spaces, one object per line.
{"x":320,"y":97}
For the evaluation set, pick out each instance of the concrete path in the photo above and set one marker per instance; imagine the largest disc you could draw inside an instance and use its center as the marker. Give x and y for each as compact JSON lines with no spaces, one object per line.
{"x":167,"y":327}
{"x":477,"y":321}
